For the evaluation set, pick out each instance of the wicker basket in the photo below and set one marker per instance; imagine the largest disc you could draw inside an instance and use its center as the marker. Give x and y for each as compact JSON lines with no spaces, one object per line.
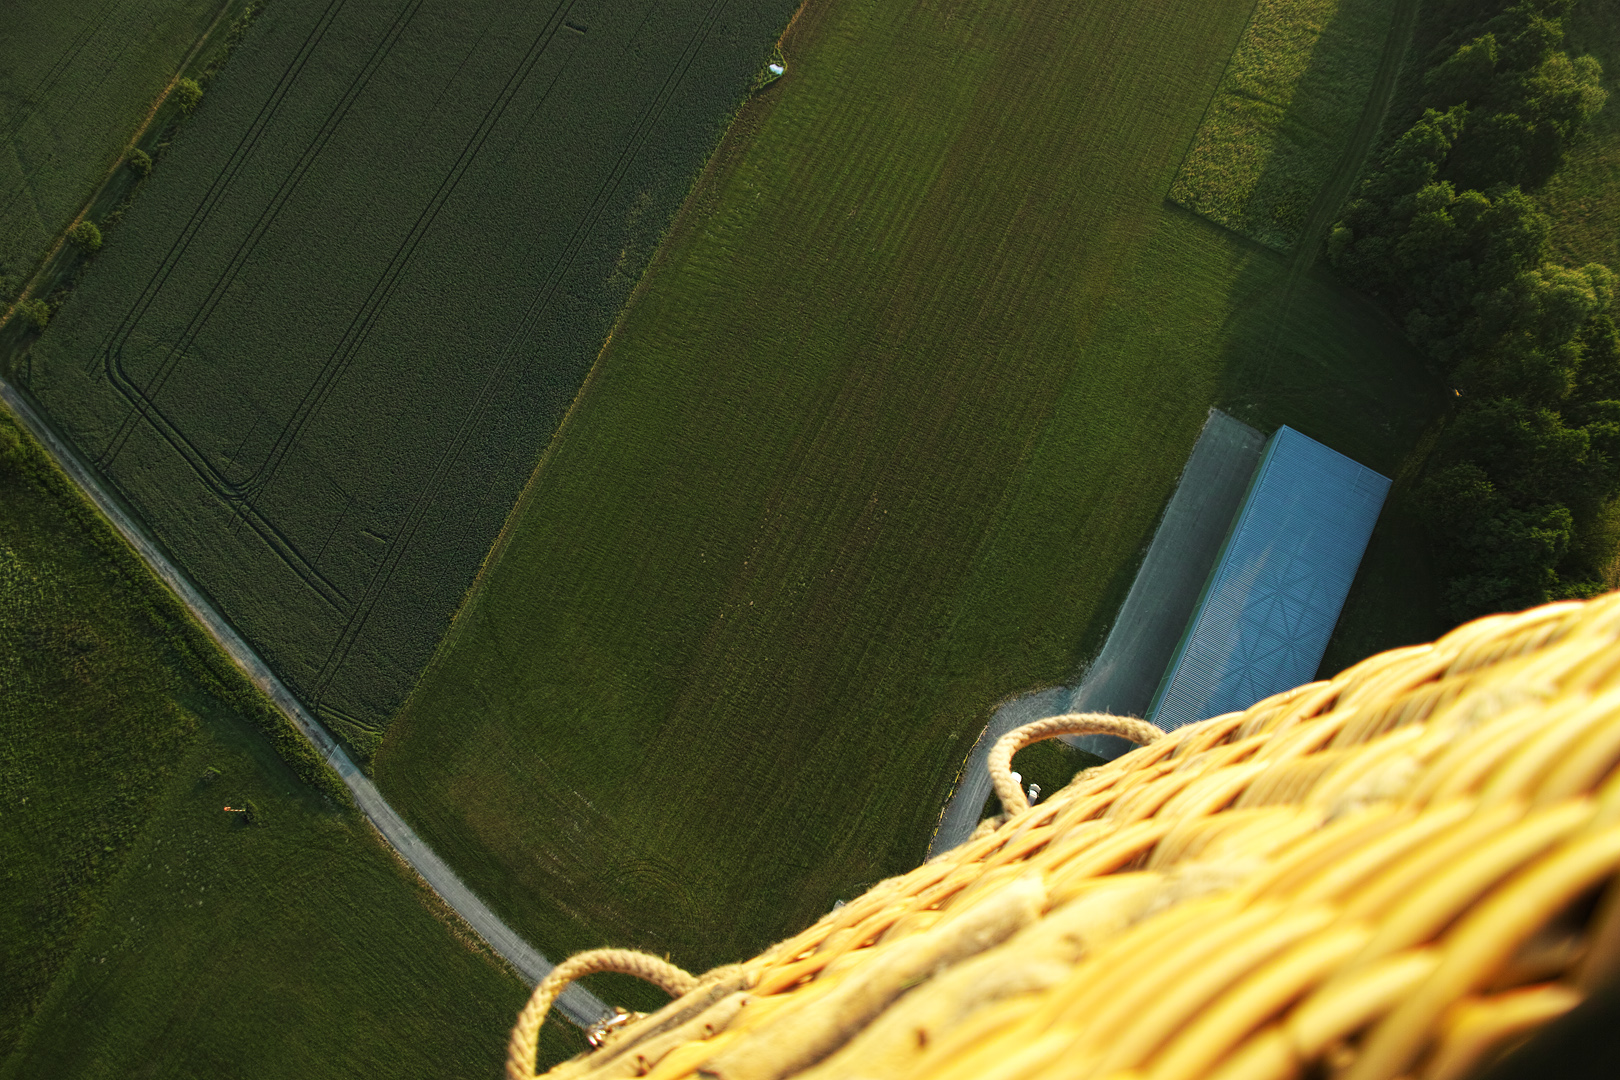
{"x":1400,"y":872}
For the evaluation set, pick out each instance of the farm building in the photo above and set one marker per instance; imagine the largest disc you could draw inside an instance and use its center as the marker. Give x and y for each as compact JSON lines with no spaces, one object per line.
{"x":1274,"y":595}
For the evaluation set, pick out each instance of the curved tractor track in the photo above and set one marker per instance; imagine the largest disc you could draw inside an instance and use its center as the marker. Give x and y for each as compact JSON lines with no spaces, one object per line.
{"x":576,"y":1004}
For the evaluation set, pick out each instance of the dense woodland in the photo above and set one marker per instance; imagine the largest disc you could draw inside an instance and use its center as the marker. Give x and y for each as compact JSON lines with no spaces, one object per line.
{"x":1520,"y":493}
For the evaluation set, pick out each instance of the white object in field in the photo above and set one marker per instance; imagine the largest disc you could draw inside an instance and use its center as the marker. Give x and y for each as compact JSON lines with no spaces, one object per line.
{"x":837,"y":904}
{"x":1017,"y":778}
{"x":775,"y":68}
{"x":1034,"y":793}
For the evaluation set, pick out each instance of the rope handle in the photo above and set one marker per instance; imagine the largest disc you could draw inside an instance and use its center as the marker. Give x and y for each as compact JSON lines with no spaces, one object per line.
{"x":1010,"y":792}
{"x":524,"y":1046}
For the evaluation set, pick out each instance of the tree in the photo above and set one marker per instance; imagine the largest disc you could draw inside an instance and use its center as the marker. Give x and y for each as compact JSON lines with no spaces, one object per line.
{"x":1362,"y":244}
{"x":37,"y":312}
{"x":1526,"y":120}
{"x":1597,"y":383}
{"x":86,"y":235}
{"x":1454,"y":248}
{"x":1500,"y":557}
{"x":188,"y":93}
{"x":139,"y":162}
{"x":1529,"y":333}
{"x":1464,"y":77}
{"x":1521,"y":482}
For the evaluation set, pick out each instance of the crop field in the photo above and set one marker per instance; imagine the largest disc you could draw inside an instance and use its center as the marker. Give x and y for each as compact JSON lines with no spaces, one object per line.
{"x":348,"y":311}
{"x":878,"y":443}
{"x":144,"y":931}
{"x":1275,"y":128}
{"x":76,"y":79}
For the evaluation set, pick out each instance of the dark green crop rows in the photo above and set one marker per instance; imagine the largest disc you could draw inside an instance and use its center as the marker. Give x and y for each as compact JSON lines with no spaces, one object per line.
{"x":346,"y":315}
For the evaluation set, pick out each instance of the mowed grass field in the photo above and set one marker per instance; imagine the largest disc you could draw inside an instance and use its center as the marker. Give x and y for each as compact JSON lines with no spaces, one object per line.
{"x":77,"y":77}
{"x":1275,"y":129}
{"x":328,"y":343}
{"x":144,"y":931}
{"x":879,"y":442}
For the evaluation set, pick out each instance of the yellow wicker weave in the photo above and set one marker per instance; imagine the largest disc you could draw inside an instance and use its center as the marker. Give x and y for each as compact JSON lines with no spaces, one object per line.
{"x":1396,"y":873}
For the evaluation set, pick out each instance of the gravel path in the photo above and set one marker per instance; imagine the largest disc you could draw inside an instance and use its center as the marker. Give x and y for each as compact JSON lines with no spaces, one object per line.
{"x":576,"y":1004}
{"x":962,"y":809}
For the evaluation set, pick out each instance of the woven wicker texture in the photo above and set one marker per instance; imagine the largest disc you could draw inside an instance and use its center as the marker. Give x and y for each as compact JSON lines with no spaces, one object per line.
{"x":1397,"y":873}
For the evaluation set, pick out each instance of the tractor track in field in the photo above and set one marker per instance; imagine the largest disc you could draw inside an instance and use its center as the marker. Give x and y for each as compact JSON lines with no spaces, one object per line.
{"x":541,"y":300}
{"x":576,"y":1004}
{"x":1347,"y":169}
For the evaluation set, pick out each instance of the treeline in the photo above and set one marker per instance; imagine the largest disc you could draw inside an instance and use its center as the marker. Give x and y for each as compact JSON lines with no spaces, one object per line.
{"x":1519,"y":491}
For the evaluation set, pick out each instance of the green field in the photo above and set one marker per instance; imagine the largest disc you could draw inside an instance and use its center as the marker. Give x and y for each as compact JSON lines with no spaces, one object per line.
{"x":879,"y":442}
{"x":346,"y":313}
{"x":144,"y":931}
{"x":1275,"y":129}
{"x":1583,"y":197}
{"x":77,"y":78}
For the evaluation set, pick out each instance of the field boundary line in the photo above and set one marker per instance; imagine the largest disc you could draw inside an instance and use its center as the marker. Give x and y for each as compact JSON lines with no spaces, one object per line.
{"x":541,"y":300}
{"x":531,"y":482}
{"x":1210,"y":104}
{"x":576,"y":1004}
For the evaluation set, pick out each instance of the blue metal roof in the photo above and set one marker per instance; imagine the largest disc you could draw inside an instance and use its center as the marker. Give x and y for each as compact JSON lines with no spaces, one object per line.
{"x":1271,"y":602}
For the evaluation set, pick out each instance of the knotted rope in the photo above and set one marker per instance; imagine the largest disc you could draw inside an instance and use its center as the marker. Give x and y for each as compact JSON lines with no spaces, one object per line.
{"x":524,"y":1045}
{"x":1010,"y":792}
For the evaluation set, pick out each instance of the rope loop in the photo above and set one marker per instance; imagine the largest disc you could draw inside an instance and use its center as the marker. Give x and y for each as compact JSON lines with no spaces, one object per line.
{"x":1010,"y":792}
{"x":524,"y":1046}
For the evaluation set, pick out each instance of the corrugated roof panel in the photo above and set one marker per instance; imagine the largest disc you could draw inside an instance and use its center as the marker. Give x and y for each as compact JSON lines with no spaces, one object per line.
{"x":1275,"y":593}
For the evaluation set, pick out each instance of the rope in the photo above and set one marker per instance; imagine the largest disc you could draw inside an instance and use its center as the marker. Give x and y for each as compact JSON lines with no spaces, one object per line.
{"x":524,"y":1046}
{"x":1011,"y":792}
{"x":1378,"y":876}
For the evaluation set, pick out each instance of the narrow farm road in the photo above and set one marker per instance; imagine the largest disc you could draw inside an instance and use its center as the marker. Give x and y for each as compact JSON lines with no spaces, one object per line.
{"x":1330,"y":198}
{"x":576,"y":1004}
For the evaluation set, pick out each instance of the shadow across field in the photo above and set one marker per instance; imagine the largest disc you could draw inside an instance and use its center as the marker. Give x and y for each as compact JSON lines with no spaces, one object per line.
{"x":1275,"y":363}
{"x":1275,"y":134}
